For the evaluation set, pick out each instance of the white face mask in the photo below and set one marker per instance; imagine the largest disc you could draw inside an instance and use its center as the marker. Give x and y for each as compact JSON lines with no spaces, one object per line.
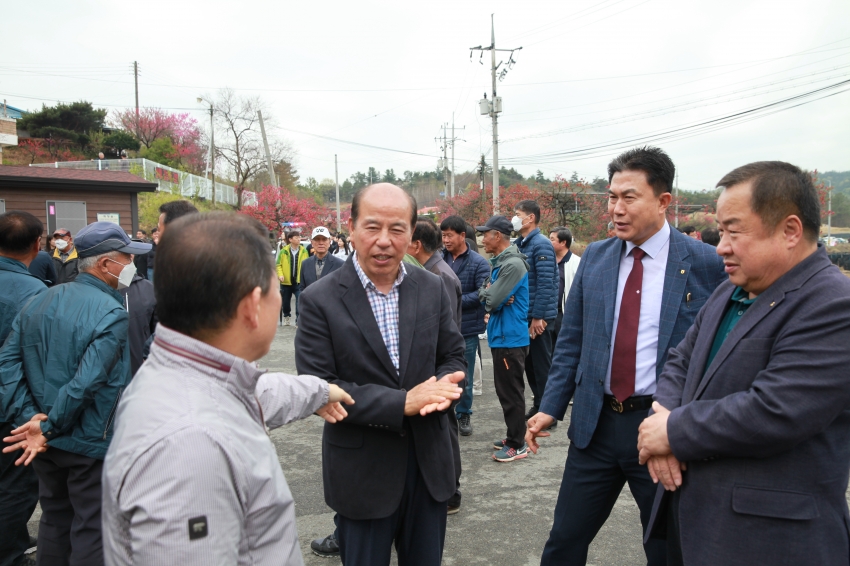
{"x":516,"y":222}
{"x":126,"y":275}
{"x":60,"y":244}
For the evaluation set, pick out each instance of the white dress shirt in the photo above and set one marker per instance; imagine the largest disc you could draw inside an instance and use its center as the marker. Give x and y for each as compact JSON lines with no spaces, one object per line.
{"x":652,"y":289}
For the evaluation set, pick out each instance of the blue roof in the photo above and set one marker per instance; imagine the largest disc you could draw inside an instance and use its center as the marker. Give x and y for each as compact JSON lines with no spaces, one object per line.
{"x":13,"y":112}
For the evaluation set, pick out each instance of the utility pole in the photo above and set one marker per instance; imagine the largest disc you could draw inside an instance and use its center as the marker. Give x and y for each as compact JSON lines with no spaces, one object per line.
{"x":829,"y":216}
{"x":494,"y":106}
{"x":272,"y":177}
{"x":136,"y":75}
{"x":336,"y":181}
{"x":676,"y":220}
{"x":212,"y":148}
{"x":453,"y":140}
{"x":445,"y":166}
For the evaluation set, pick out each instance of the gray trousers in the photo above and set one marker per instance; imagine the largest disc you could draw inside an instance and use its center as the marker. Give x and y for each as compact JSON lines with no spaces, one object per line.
{"x":69,"y":491}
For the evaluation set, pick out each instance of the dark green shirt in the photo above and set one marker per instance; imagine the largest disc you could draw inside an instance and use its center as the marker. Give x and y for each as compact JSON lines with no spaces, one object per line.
{"x":738,"y":305}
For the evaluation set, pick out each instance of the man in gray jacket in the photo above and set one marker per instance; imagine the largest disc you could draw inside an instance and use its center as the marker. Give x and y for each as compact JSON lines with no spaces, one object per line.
{"x":192,"y":477}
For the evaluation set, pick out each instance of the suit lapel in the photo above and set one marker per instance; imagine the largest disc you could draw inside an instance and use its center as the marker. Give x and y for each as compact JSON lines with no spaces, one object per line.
{"x":675,"y":279}
{"x":407,"y":306}
{"x":702,"y":348}
{"x":355,"y":300}
{"x":610,"y":278}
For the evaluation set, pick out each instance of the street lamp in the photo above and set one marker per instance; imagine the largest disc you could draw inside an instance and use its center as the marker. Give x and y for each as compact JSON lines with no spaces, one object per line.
{"x":212,"y":148}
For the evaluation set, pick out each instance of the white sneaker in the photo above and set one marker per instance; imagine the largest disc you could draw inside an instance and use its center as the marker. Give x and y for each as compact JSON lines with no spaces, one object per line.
{"x":477,"y":391}
{"x":286,"y":321}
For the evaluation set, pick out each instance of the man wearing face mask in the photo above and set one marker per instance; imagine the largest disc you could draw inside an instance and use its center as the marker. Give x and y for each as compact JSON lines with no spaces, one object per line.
{"x":64,"y":256}
{"x":62,"y":370}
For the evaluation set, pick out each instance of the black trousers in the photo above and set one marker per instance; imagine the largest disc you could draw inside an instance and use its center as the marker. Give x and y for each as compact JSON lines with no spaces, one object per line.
{"x":593,"y":479}
{"x":539,"y":361}
{"x":417,"y":527}
{"x":18,"y":497}
{"x":454,"y":500}
{"x":69,"y":533}
{"x":286,"y":293}
{"x":508,"y":364}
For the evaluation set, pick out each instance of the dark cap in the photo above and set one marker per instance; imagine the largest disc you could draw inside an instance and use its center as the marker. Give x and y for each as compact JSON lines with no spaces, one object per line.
{"x":103,"y":237}
{"x":500,"y":223}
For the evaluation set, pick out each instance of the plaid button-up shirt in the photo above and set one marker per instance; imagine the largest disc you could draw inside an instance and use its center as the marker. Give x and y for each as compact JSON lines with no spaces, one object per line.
{"x":385,"y":308}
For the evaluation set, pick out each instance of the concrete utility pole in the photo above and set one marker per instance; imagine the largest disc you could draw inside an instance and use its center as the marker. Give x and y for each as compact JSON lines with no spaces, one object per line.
{"x":676,"y":221}
{"x":212,"y":148}
{"x":336,"y":181}
{"x":829,"y":216}
{"x":136,"y":76}
{"x":445,"y":166}
{"x":453,"y":140}
{"x":495,"y":103}
{"x":272,"y":177}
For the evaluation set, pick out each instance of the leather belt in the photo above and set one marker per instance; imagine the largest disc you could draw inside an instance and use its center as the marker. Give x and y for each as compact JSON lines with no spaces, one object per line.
{"x":635,"y":403}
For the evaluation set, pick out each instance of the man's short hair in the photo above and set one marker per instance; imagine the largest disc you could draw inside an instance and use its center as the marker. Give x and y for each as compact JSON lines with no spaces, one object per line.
{"x":688,"y":230}
{"x":142,"y":231}
{"x":18,"y":231}
{"x":88,"y":263}
{"x":427,"y":233}
{"x":175,"y":209}
{"x":779,"y":190}
{"x":454,"y":223}
{"x":291,"y":233}
{"x":711,"y":236}
{"x":358,"y":196}
{"x":656,"y":164}
{"x":199,"y":283}
{"x":564,"y":235}
{"x":529,"y":207}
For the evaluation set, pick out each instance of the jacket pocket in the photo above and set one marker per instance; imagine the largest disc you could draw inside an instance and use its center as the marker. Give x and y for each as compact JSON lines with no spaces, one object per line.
{"x":344,"y":436}
{"x":774,"y":503}
{"x":428,"y":322}
{"x":112,"y":412}
{"x":579,"y":375}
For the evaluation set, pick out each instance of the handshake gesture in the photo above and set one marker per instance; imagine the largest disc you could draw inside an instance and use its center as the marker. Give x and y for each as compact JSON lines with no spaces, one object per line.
{"x":28,"y":438}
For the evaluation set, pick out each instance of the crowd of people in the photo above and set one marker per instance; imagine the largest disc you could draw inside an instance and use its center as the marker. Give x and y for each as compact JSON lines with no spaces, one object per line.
{"x":703,"y":369}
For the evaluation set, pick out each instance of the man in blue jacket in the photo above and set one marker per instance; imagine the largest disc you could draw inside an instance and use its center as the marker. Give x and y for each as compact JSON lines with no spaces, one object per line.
{"x":543,"y":283}
{"x":20,"y":236}
{"x":505,"y":298}
{"x":472,"y":270}
{"x":62,"y":370}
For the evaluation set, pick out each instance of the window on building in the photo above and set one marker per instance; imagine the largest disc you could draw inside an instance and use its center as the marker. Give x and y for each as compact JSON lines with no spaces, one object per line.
{"x":64,"y":214}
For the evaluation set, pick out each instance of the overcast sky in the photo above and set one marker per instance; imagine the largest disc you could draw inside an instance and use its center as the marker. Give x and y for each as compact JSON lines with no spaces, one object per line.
{"x":591,"y":73}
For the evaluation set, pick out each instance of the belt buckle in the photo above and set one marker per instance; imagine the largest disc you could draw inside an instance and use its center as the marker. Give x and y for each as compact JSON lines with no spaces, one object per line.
{"x":616,"y":405}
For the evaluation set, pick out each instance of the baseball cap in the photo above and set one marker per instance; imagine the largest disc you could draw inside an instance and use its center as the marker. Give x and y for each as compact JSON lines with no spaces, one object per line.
{"x":500,"y":223}
{"x":103,"y":237}
{"x":320,"y":231}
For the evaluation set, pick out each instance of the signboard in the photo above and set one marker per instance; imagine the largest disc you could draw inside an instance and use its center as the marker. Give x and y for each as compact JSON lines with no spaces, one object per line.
{"x":166,"y":175}
{"x":108,"y":217}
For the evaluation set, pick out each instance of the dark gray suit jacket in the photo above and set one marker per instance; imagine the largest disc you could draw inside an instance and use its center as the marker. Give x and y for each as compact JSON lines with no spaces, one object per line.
{"x":308,"y":269}
{"x":438,"y":266}
{"x":364,"y":457}
{"x":765,"y":429}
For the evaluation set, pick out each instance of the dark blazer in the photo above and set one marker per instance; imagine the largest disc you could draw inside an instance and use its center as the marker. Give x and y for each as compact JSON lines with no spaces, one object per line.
{"x":364,"y":457}
{"x":308,"y":269}
{"x":765,"y":429}
{"x":581,"y":355}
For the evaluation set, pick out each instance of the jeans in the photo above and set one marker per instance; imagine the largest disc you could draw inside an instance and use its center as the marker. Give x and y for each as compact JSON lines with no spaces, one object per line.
{"x":464,"y":407}
{"x":286,"y":292}
{"x":150,"y":274}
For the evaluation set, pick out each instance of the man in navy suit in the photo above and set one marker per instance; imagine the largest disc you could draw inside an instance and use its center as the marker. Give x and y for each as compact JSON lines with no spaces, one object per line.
{"x":632,"y":299}
{"x":320,"y":263}
{"x":755,"y":398}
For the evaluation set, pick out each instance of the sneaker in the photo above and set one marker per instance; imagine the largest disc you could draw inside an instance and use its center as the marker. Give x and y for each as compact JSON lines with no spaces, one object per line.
{"x":464,"y":425}
{"x":286,"y":321}
{"x":327,"y":547}
{"x":499,"y":444}
{"x":531,"y":412}
{"x":477,"y":391}
{"x":453,"y":509}
{"x":508,"y":454}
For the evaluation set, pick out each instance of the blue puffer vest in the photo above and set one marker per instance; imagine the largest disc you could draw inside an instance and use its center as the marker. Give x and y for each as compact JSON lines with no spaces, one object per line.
{"x":543,"y":278}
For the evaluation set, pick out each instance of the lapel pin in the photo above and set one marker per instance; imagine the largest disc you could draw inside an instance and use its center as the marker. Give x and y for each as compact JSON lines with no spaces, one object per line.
{"x":682,"y":272}
{"x":773,"y":303}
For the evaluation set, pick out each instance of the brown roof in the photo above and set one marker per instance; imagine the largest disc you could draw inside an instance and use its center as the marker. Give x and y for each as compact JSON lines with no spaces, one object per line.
{"x":51,"y":178}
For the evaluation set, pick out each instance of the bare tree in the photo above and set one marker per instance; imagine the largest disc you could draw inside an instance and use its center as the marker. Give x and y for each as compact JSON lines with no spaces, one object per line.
{"x":241,"y":145}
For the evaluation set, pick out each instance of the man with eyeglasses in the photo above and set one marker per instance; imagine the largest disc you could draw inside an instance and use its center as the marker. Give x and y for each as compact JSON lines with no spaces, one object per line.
{"x":64,"y":256}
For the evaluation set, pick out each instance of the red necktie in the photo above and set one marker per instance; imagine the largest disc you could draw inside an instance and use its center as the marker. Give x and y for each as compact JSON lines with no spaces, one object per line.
{"x":625,"y":343}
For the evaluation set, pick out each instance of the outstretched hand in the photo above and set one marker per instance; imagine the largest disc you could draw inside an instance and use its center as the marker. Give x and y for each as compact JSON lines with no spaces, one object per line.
{"x":433,"y":394}
{"x":28,"y":438}
{"x":333,"y":411}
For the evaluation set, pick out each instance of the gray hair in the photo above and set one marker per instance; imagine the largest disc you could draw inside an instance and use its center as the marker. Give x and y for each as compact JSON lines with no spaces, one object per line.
{"x":88,"y":263}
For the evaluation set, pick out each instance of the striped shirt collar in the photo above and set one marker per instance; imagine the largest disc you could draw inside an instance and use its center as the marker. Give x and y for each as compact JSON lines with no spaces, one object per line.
{"x":364,"y":279}
{"x":180,"y":351}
